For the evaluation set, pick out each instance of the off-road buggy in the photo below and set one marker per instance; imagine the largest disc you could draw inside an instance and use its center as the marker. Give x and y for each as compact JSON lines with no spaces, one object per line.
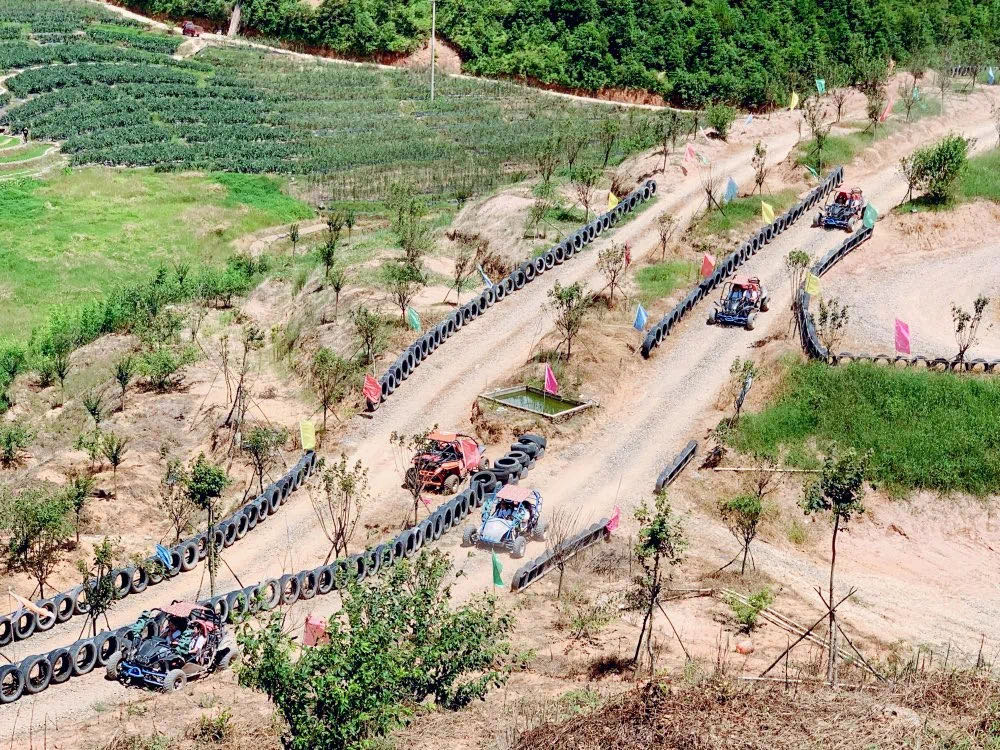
{"x":739,"y":303}
{"x":509,"y":516}
{"x":168,"y":646}
{"x":191,"y":29}
{"x":843,"y":213}
{"x":447,"y":460}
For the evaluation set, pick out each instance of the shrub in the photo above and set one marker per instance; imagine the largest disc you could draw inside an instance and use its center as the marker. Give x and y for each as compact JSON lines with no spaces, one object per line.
{"x":720,"y":117}
{"x":746,"y":612}
{"x":936,"y":169}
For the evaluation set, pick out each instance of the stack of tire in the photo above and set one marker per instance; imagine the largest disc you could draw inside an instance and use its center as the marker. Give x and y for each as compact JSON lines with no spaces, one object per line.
{"x":36,"y":673}
{"x":535,"y":569}
{"x":527,"y":272}
{"x":24,"y":623}
{"x":728,"y":265}
{"x":675,"y":467}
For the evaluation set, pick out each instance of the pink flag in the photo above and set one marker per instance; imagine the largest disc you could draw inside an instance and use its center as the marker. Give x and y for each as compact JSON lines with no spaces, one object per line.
{"x":885,"y":113}
{"x":689,"y":155}
{"x":426,"y":502}
{"x":551,"y":385}
{"x":707,"y":265}
{"x":612,"y":523}
{"x":902,"y":337}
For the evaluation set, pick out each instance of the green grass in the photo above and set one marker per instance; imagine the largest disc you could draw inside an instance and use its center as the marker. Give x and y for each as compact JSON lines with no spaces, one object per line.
{"x":979,"y":179}
{"x":76,"y":234}
{"x":925,"y":107}
{"x":660,"y":279}
{"x":742,"y":212}
{"x":9,"y":156}
{"x":934,"y":431}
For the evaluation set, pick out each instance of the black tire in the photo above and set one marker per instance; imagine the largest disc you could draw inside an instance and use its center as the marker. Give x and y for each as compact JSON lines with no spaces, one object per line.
{"x":711,"y":319}
{"x":540,"y":530}
{"x":469,"y":536}
{"x":111,"y":667}
{"x":62,"y":666}
{"x":763,"y":304}
{"x":226,"y":660}
{"x":751,"y":319}
{"x":531,"y":437}
{"x":174,"y":680}
{"x":517,"y":549}
{"x":36,"y":684}
{"x":11,"y":683}
{"x":451,"y":483}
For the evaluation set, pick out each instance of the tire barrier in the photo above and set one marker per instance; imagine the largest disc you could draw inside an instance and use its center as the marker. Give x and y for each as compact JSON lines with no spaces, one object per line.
{"x":22,"y":624}
{"x":727,"y":266}
{"x":40,"y":671}
{"x":814,"y":348}
{"x":523,"y":274}
{"x":535,"y":569}
{"x":669,"y":474}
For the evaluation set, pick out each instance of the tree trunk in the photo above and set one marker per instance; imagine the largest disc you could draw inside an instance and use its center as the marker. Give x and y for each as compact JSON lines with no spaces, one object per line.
{"x":559,"y":588}
{"x":746,"y":551}
{"x":831,"y":672}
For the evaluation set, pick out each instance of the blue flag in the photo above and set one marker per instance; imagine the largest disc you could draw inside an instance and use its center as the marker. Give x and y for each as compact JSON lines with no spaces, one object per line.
{"x":992,"y":79}
{"x":640,"y":318}
{"x":486,"y":279}
{"x":731,"y":190}
{"x":749,"y":120}
{"x":163,"y":555}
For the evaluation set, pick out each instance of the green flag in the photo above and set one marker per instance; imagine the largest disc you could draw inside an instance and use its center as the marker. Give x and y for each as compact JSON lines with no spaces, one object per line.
{"x":413,"y":319}
{"x":812,"y":171}
{"x":870,"y":216}
{"x":821,"y":85}
{"x":497,"y":570}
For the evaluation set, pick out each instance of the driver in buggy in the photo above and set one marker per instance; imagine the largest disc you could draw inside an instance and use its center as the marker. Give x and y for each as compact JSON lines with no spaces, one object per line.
{"x":447,"y":451}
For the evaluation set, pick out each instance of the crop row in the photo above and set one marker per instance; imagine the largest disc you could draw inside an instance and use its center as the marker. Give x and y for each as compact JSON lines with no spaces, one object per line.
{"x":25,"y":54}
{"x":55,"y":16}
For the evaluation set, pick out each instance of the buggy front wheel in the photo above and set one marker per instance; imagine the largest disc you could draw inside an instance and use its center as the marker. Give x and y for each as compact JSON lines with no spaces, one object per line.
{"x":174,"y":680}
{"x":751,"y":319}
{"x":469,"y":536}
{"x":226,"y":661}
{"x":451,"y":483}
{"x":763,"y":304}
{"x":112,"y":665}
{"x":540,"y":529}
{"x":517,"y":549}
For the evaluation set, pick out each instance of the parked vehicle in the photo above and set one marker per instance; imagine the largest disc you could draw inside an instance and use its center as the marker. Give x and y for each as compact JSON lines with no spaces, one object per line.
{"x":191,"y":29}
{"x":448,"y":460}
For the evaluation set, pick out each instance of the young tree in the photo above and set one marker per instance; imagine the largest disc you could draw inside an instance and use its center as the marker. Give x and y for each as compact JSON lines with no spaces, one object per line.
{"x":412,"y":231}
{"x":293,"y":235}
{"x":660,"y":547}
{"x":796,"y":267}
{"x":205,"y":483}
{"x":813,"y":112}
{"x":563,"y":524}
{"x":759,"y":163}
{"x":36,"y":525}
{"x":15,"y":437}
{"x":574,"y":140}
{"x":466,"y":260}
{"x":78,"y":492}
{"x":114,"y":448}
{"x":536,"y":214}
{"x":720,"y":118}
{"x":403,"y":281}
{"x":174,"y":501}
{"x":334,"y":223}
{"x":839,"y":492}
{"x":261,"y":445}
{"x":345,"y":493}
{"x":13,"y":357}
{"x":839,"y":84}
{"x":938,"y":167}
{"x":967,"y":325}
{"x":329,"y":375}
{"x":611,"y":264}
{"x":584,"y":180}
{"x":710,"y":184}
{"x":409,"y":453}
{"x":944,"y":73}
{"x":547,"y":157}
{"x":338,"y":278}
{"x":126,"y":367}
{"x":569,"y":305}
{"x":832,"y":322}
{"x":60,"y":366}
{"x":395,"y":642}
{"x":876,"y":103}
{"x":908,"y":96}
{"x":328,"y":254}
{"x":742,"y":515}
{"x":607,"y":136}
{"x":908,"y":167}
{"x":665,"y":226}
{"x":349,"y":219}
{"x":741,"y":374}
{"x":369,"y":329}
{"x":670,"y":125}
{"x":93,"y":402}
{"x":99,"y":583}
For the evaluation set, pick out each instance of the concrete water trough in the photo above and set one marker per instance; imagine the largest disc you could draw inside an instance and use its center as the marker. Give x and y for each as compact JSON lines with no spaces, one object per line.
{"x":536,"y":401}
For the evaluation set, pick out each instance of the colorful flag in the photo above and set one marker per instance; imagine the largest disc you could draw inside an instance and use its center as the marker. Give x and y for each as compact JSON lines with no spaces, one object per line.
{"x":885,"y":112}
{"x":794,"y":101}
{"x":640,"y":318}
{"x":767,"y":212}
{"x":916,"y":94}
{"x":991,"y":79}
{"x":307,"y":431}
{"x":413,"y":319}
{"x":486,"y":279}
{"x":749,"y":120}
{"x":426,"y":502}
{"x":747,"y":382}
{"x":821,"y":85}
{"x":612,"y":200}
{"x":812,"y":171}
{"x":870,"y":216}
{"x":371,"y":390}
{"x":902,"y":337}
{"x":703,"y":159}
{"x":812,"y":284}
{"x":628,"y":255}
{"x":613,"y":522}
{"x":707,"y":265}
{"x":551,"y":385}
{"x":163,"y":555}
{"x":497,"y":570}
{"x":732,"y":189}
{"x":689,"y":154}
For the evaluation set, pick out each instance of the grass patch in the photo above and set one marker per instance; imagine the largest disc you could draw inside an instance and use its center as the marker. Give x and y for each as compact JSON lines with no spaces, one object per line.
{"x":981,"y":178}
{"x":741,"y":212}
{"x":925,"y":107}
{"x":71,"y":237}
{"x":661,"y":279}
{"x":926,"y":430}
{"x":9,"y":156}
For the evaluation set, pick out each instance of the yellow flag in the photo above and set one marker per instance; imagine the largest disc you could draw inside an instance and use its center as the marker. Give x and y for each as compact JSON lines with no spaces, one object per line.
{"x":612,"y":200}
{"x":794,"y":101}
{"x":307,"y":431}
{"x":767,"y":211}
{"x":812,"y":284}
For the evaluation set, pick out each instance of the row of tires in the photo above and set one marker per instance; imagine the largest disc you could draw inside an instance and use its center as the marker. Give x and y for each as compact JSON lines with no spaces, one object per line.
{"x":728,"y":265}
{"x":814,"y":347}
{"x":674,"y":469}
{"x":527,"y":272}
{"x":36,"y":673}
{"x":22,"y":624}
{"x":531,"y":571}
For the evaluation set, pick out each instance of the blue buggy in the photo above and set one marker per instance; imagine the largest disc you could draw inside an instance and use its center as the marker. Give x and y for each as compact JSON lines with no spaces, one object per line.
{"x":844,"y":212}
{"x":739,"y":303}
{"x":509,"y":516}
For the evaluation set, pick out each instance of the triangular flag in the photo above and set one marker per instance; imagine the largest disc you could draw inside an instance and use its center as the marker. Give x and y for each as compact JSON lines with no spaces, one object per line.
{"x":902,"y":337}
{"x":163,"y":555}
{"x":703,"y":159}
{"x":749,"y":120}
{"x":612,"y":200}
{"x":812,"y":171}
{"x":707,"y":265}
{"x":551,"y":384}
{"x":794,"y":101}
{"x":640,"y":318}
{"x":371,"y":390}
{"x":812,"y":284}
{"x":486,"y":279}
{"x":413,"y":319}
{"x":689,"y":154}
{"x":426,"y":502}
{"x":307,"y":430}
{"x":870,"y":216}
{"x":767,"y":212}
{"x":885,"y":112}
{"x":991,"y":79}
{"x":821,"y":85}
{"x":497,"y":570}
{"x":732,"y":189}
{"x":613,"y":522}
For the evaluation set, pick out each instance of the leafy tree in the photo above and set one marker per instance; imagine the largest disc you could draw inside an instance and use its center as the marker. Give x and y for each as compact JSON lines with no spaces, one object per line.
{"x":608,"y":135}
{"x":174,"y":501}
{"x":161,"y":366}
{"x":742,"y":515}
{"x":466,"y":260}
{"x":875,"y":106}
{"x":944,"y":67}
{"x":907,"y":93}
{"x":720,"y":118}
{"x":569,"y":306}
{"x":60,"y":366}
{"x":125,"y":370}
{"x":611,"y":264}
{"x":796,"y":267}
{"x":78,"y":492}
{"x":369,"y":329}
{"x":413,"y":232}
{"x":908,"y":168}
{"x":669,"y":125}
{"x":114,"y":448}
{"x":574,"y":140}
{"x":338,"y":278}
{"x":93,"y":402}
{"x":334,"y":223}
{"x":36,"y":525}
{"x":547,"y":157}
{"x":813,"y":112}
{"x":741,"y":371}
{"x":746,"y":612}
{"x":395,"y":642}
{"x":936,"y":168}
{"x":99,"y":583}
{"x":345,"y":493}
{"x":349,"y":219}
{"x":93,"y":444}
{"x":329,"y":374}
{"x":261,"y":444}
{"x":660,"y":546}
{"x":838,"y":492}
{"x":293,"y":235}
{"x":967,"y":325}
{"x":328,"y":254}
{"x":409,"y":452}
{"x":403,"y":281}
{"x":584,"y":180}
{"x":665,"y":226}
{"x":838,"y":84}
{"x":205,"y":483}
{"x":536,"y":215}
{"x":832,"y":322}
{"x":13,"y":358}
{"x":759,"y":163}
{"x":15,"y":437}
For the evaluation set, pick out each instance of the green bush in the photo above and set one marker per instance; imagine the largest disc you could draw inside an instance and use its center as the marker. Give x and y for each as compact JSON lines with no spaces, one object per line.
{"x":720,"y":118}
{"x":746,"y":613}
{"x":937,"y":168}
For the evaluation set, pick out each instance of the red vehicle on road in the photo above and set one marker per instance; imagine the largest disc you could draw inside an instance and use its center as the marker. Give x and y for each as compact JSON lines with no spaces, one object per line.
{"x":191,"y":29}
{"x":448,"y":459}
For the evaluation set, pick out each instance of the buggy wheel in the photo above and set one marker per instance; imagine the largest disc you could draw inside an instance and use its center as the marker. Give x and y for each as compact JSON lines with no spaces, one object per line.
{"x":410,"y":479}
{"x":751,"y":319}
{"x":711,"y":319}
{"x":517,"y":549}
{"x":484,"y":464}
{"x":111,"y":666}
{"x":174,"y":680}
{"x":468,"y":536}
{"x":227,"y":660}
{"x":540,"y":530}
{"x":818,"y":220}
{"x":451,"y":483}
{"x":763,"y":304}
